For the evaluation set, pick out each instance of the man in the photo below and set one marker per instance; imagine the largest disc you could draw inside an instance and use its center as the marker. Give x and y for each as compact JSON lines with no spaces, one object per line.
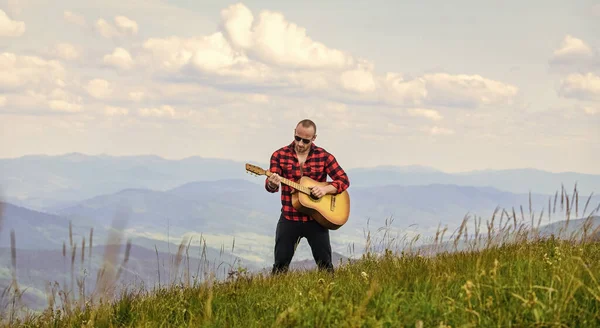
{"x":303,"y":157}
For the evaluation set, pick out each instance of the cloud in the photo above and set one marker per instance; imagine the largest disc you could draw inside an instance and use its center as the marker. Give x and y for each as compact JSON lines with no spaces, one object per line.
{"x":74,"y":18}
{"x":466,"y":90}
{"x":57,"y":100}
{"x":67,"y":51}
{"x":136,"y":96}
{"x":126,"y":25}
{"x":572,"y":47}
{"x":2,"y":101}
{"x":115,"y":111}
{"x":119,"y":58}
{"x":19,"y":71}
{"x":591,"y":110}
{"x":123,"y":27}
{"x":439,"y":131}
{"x":99,"y":88}
{"x":275,"y":41}
{"x":574,"y":54}
{"x":201,"y":55}
{"x":580,"y":86}
{"x":426,"y":113}
{"x":358,"y":80}
{"x":10,"y":27}
{"x":268,"y":52}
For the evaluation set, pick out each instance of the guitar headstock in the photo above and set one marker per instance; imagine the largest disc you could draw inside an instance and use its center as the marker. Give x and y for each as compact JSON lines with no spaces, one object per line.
{"x":253,"y":169}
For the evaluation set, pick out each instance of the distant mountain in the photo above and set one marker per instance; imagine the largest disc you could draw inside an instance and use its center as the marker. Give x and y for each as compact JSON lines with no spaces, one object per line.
{"x":49,"y":183}
{"x":35,"y":230}
{"x":516,"y":181}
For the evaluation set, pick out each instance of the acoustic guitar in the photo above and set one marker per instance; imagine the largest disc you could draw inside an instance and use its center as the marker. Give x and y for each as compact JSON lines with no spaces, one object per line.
{"x":331,"y":210}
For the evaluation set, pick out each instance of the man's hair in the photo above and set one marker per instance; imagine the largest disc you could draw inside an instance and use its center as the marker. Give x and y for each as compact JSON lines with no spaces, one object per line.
{"x":308,"y":123}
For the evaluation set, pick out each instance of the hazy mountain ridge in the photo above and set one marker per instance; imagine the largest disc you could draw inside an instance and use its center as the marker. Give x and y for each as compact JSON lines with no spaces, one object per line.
{"x":67,"y":179}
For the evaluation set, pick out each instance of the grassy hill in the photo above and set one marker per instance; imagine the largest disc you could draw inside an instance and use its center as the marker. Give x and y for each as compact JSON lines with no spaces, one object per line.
{"x":543,"y":282}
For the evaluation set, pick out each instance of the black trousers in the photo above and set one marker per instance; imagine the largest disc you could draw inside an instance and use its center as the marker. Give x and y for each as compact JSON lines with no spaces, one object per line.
{"x":288,"y":236}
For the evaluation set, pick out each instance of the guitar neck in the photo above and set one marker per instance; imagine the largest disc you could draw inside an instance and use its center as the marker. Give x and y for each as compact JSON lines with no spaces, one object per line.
{"x":294,"y":185}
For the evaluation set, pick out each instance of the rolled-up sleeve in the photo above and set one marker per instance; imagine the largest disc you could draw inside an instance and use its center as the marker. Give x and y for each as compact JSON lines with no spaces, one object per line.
{"x":275,"y":168}
{"x":341,"y":182}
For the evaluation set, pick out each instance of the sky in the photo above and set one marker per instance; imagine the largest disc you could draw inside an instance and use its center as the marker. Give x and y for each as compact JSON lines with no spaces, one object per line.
{"x":467,"y":85}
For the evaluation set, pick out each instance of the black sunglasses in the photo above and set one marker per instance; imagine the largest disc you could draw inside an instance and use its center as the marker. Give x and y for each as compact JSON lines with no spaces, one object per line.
{"x":306,"y":141}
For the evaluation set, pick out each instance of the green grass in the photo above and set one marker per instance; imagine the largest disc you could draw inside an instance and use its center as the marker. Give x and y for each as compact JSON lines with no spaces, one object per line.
{"x":518,"y":280}
{"x":543,"y":283}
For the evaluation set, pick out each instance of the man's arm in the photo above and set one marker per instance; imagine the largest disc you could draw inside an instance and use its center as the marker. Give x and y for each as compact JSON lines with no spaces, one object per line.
{"x":273,"y":167}
{"x":338,"y":175}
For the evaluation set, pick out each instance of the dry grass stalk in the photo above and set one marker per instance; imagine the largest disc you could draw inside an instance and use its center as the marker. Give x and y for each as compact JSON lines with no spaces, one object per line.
{"x":587,"y":203}
{"x":107,"y":274}
{"x":157,"y":265}
{"x":125,"y":259}
{"x":13,"y":257}
{"x":178,"y":258}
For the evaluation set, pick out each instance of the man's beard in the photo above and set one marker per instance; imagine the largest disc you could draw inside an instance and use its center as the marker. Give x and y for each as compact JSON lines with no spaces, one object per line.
{"x":300,"y":149}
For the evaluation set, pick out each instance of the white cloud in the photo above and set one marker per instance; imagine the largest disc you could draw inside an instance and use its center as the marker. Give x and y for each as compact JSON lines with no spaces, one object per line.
{"x":99,"y":88}
{"x":162,"y":111}
{"x":119,"y":58}
{"x":74,"y":18}
{"x":271,"y":52}
{"x":427,"y":113}
{"x":572,"y":47}
{"x":64,"y":106}
{"x":580,"y":86}
{"x":467,"y":90}
{"x":440,"y":131}
{"x":209,"y":54}
{"x":358,"y":80}
{"x":258,"y":98}
{"x":115,"y":111}
{"x":105,"y":29}
{"x":575,"y":54}
{"x":591,"y":110}
{"x":126,"y":25}
{"x":67,"y":51}
{"x":2,"y":101}
{"x":10,"y":27}
{"x":27,"y":71}
{"x":136,"y":96}
{"x":274,"y":40}
{"x":123,"y":26}
{"x":56,"y":99}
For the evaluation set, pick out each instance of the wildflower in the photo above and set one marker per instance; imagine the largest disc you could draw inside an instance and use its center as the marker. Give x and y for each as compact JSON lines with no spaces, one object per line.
{"x":489,"y":302}
{"x":364,"y":275}
{"x":467,"y":287}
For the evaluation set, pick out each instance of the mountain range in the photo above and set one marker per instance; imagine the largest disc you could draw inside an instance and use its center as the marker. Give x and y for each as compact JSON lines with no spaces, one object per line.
{"x":46,"y":182}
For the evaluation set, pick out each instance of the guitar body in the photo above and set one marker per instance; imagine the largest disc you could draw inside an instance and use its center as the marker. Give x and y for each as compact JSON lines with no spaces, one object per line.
{"x":331,"y":211}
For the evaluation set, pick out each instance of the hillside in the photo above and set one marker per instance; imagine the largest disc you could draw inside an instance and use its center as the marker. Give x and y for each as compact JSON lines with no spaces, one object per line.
{"x":543,"y":283}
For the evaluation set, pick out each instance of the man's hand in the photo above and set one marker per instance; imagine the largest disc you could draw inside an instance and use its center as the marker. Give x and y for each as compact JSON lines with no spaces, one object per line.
{"x":320,"y":191}
{"x":274,"y":180}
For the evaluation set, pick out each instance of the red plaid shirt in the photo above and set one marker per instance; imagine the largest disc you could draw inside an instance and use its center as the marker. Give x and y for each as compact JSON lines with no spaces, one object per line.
{"x":318,"y":165}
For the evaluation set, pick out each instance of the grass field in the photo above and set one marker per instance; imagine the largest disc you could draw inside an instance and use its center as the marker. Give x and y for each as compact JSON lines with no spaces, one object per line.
{"x":526,"y":282}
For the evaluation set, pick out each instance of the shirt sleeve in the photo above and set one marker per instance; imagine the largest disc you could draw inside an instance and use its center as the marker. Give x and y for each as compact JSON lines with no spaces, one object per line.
{"x":273,"y":167}
{"x":337,"y":174}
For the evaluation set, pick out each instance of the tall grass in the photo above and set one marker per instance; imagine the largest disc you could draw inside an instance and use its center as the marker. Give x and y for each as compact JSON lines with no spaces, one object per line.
{"x":503,"y":272}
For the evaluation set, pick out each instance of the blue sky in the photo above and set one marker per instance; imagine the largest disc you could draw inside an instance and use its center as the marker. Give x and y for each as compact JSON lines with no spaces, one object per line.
{"x":457,"y":86}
